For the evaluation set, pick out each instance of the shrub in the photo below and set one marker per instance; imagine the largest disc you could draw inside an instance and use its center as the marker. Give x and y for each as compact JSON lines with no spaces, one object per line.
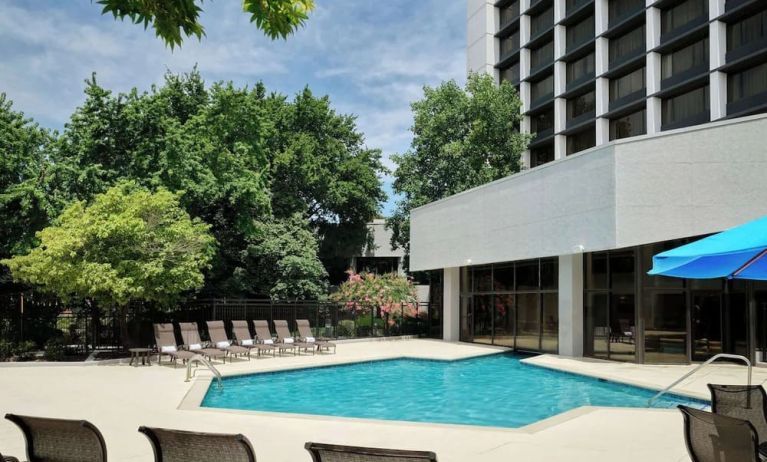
{"x":55,"y":349}
{"x":394,"y":296}
{"x":6,"y":350}
{"x":345,"y":328}
{"x":24,"y":350}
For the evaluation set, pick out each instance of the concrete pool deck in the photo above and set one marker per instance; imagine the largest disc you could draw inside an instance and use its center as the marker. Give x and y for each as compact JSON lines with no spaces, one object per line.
{"x":119,"y":398}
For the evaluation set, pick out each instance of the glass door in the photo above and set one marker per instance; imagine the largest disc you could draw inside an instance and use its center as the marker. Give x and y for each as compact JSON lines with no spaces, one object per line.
{"x":665,"y":327}
{"x":706,"y":318}
{"x":483,"y":318}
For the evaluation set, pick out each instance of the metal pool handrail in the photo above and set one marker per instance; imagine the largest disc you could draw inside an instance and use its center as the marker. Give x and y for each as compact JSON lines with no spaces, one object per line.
{"x":206,"y":363}
{"x":701,"y":366}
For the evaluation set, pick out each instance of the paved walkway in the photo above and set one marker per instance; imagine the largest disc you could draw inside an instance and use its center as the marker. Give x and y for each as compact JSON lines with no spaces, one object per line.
{"x":119,"y":398}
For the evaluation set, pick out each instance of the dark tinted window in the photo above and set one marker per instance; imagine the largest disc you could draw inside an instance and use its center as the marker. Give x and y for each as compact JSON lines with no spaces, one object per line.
{"x":747,"y":83}
{"x":542,"y":88}
{"x":621,"y":8}
{"x":527,"y":275}
{"x":691,"y":56}
{"x":685,"y":106}
{"x":581,"y":104}
{"x":580,"y":33}
{"x":541,"y":21}
{"x":542,"y":155}
{"x":580,"y":141}
{"x":681,"y":14}
{"x":749,"y":30}
{"x":627,"y":44}
{"x":542,"y":121}
{"x":580,"y":67}
{"x":509,"y":12}
{"x":542,"y":55}
{"x":629,"y":125}
{"x":627,"y":84}
{"x":510,"y":73}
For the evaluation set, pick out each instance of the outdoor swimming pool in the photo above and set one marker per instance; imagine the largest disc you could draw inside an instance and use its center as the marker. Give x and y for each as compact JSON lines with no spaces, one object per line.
{"x":496,"y":390}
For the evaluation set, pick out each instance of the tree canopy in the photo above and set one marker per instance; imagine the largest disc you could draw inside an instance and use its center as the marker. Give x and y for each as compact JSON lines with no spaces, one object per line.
{"x":239,"y":159}
{"x":173,"y":20}
{"x":128,"y":244}
{"x":462,"y":138}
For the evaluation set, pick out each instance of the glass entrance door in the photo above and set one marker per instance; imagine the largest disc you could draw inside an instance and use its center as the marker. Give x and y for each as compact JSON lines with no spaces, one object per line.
{"x":706,"y":316}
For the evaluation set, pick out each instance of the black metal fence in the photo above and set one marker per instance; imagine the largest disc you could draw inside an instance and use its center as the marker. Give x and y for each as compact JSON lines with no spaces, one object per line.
{"x":33,"y":320}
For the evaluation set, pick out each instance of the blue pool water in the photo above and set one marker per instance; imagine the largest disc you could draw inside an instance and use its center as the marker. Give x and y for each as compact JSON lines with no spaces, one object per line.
{"x":496,"y":390}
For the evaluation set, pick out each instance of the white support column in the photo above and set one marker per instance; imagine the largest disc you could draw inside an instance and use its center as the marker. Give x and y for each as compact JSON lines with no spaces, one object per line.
{"x":451,"y":304}
{"x":717,"y":40}
{"x":481,"y":46}
{"x":560,"y":117}
{"x":571,"y":305}
{"x":600,"y":16}
{"x":653,"y":71}
{"x":602,"y":106}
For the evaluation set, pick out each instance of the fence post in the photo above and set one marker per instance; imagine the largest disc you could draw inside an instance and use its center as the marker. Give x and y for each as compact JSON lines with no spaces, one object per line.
{"x":402,"y":319}
{"x":21,"y":319}
{"x":213,"y":315}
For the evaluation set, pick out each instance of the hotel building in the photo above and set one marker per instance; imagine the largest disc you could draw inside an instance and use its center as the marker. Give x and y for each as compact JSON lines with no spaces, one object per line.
{"x":649,"y":133}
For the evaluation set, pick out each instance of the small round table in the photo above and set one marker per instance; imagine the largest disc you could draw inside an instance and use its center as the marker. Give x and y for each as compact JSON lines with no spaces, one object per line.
{"x":142,"y":354}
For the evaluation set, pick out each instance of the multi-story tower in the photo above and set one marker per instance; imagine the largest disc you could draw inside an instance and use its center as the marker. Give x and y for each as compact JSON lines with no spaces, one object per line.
{"x":649,"y":133}
{"x":592,"y":71}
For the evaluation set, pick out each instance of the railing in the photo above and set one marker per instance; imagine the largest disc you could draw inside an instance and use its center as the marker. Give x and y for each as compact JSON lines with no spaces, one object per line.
{"x":200,"y":359}
{"x":701,"y":366}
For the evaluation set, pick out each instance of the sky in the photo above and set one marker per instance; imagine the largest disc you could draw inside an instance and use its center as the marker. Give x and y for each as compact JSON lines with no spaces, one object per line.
{"x":372,"y":57}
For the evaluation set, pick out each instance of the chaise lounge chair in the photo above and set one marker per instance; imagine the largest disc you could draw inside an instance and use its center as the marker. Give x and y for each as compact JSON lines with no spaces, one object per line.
{"x":183,"y":446}
{"x":58,"y":440}
{"x":219,"y":338}
{"x":241,"y":331}
{"x":193,"y":343}
{"x":165,"y":341}
{"x":305,"y":334}
{"x":743,"y":402}
{"x":716,"y":438}
{"x":334,"y":453}
{"x":285,"y":337}
{"x":265,"y":336}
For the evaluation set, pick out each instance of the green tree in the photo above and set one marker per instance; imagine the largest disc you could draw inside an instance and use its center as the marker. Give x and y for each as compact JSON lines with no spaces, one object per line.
{"x":25,"y":203}
{"x":207,"y":144}
{"x":462,"y":138}
{"x":322,"y":169}
{"x":128,"y":244}
{"x":287,"y":248}
{"x":173,"y":20}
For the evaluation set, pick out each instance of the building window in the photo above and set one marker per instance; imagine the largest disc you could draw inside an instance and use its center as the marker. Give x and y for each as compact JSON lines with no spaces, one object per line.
{"x":580,"y":68}
{"x":747,"y":83}
{"x":687,"y":106}
{"x":750,"y":30}
{"x":627,"y":84}
{"x":541,"y":21}
{"x":512,"y":304}
{"x":581,"y":140}
{"x":510,"y":74}
{"x":629,"y":125}
{"x":542,"y":55}
{"x":509,"y":13}
{"x":682,"y":14}
{"x":510,"y":44}
{"x":542,"y":88}
{"x":542,"y":155}
{"x":621,"y":8}
{"x":580,"y":33}
{"x":627,"y":44}
{"x":542,"y":122}
{"x":581,"y":104}
{"x":689,"y":57}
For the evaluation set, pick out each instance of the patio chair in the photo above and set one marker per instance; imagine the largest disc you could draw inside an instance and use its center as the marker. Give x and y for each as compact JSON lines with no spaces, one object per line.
{"x":284,"y":336}
{"x":219,"y":338}
{"x":743,"y":402}
{"x":716,"y":438}
{"x":183,"y":446}
{"x":241,"y":332}
{"x":193,"y":343}
{"x":58,"y":440}
{"x":265,"y":336}
{"x":335,"y":453}
{"x":305,"y":334}
{"x":8,"y":458}
{"x":165,"y":341}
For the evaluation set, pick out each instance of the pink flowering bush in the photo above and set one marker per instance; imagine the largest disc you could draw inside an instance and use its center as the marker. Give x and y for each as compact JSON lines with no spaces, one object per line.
{"x":393,"y":295}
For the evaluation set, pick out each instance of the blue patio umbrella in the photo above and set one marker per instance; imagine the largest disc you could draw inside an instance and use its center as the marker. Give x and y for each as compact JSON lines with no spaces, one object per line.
{"x":737,"y":253}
